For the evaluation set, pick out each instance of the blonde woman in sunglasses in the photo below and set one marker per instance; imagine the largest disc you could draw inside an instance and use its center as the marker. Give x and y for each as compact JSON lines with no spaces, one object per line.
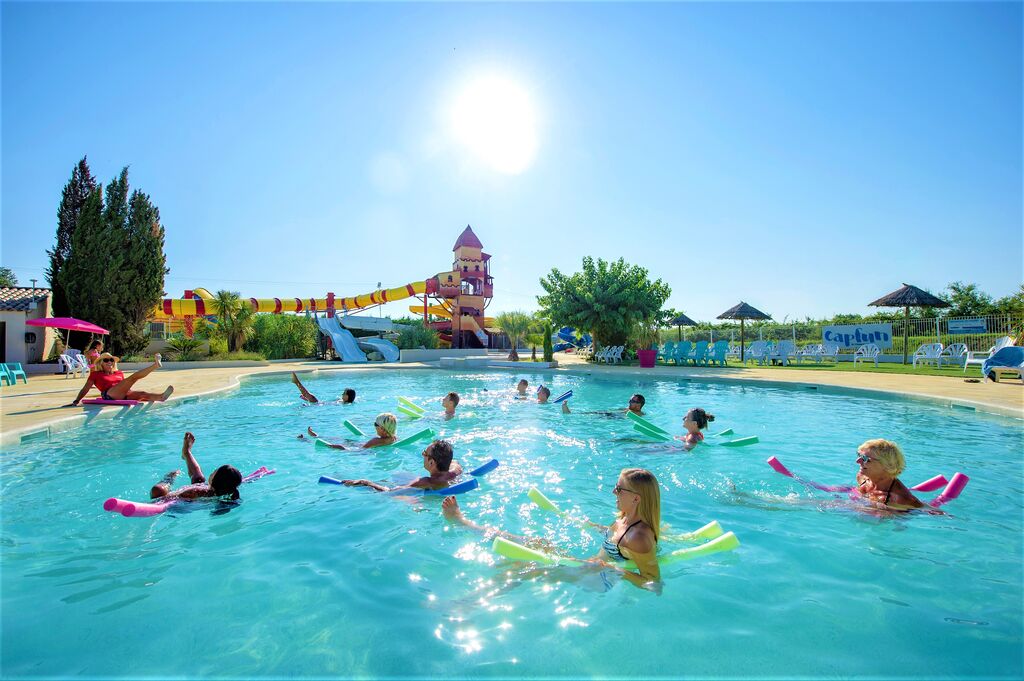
{"x":113,"y":385}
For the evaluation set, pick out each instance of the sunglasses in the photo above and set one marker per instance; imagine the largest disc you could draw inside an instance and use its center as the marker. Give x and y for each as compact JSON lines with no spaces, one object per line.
{"x":108,"y":361}
{"x":619,"y":490}
{"x":633,"y":400}
{"x":864,"y":458}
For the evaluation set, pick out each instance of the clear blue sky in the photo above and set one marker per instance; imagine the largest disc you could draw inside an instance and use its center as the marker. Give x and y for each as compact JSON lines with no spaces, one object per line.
{"x":806,"y":158}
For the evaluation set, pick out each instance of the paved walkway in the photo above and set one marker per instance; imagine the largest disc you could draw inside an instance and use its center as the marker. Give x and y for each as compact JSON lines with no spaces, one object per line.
{"x":26,"y":409}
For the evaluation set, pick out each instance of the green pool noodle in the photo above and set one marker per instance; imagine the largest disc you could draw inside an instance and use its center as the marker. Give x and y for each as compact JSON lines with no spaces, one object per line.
{"x":510,"y":549}
{"x":353,"y":428}
{"x":537,"y":497}
{"x":424,"y":434}
{"x":644,"y":422}
{"x":727,"y":542}
{"x":741,"y":442}
{"x":320,"y":442}
{"x":651,"y":433}
{"x":409,"y":404}
{"x":709,"y":531}
{"x":727,"y":431}
{"x":409,"y":412}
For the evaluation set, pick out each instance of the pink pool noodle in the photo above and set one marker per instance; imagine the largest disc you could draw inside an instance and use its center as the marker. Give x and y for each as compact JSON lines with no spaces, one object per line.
{"x":137,"y":509}
{"x":779,"y":468}
{"x":952,"y":491}
{"x":932,"y":484}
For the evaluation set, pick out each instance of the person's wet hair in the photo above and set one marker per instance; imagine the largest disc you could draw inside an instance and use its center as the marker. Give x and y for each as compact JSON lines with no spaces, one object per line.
{"x":348,"y":396}
{"x":453,"y":397}
{"x":441,"y":452}
{"x":545,"y":391}
{"x":700,"y":417}
{"x":225,"y":481}
{"x":638,"y":398}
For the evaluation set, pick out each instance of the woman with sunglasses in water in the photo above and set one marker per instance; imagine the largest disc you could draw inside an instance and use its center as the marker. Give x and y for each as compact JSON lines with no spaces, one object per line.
{"x":632,"y":536}
{"x":113,"y":385}
{"x":881,"y":461}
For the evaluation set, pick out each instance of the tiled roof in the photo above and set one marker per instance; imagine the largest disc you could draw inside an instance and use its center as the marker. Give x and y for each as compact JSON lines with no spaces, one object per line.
{"x":20,"y":298}
{"x":467,"y":238}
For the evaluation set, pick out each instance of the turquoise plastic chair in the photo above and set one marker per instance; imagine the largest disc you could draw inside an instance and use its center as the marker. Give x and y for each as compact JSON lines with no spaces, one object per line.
{"x":718,"y":353}
{"x":14,"y":371}
{"x":682,"y":353}
{"x":5,"y":376}
{"x":700,"y":353}
{"x":666,"y":352}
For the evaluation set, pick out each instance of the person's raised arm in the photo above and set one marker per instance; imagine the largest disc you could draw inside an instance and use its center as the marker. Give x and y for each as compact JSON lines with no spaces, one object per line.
{"x":84,"y":391}
{"x":194,"y":471}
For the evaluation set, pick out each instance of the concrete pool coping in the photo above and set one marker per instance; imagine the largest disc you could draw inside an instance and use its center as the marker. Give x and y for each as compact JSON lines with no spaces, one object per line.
{"x":36,"y":409}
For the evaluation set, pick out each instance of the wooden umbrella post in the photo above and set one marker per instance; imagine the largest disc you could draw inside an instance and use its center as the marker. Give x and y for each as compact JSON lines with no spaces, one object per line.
{"x":906,"y":331}
{"x":743,"y":358}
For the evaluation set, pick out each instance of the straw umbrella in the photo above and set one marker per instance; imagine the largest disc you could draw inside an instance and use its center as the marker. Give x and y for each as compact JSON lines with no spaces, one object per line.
{"x":907,"y":297}
{"x":681,"y":321}
{"x":743,"y":312}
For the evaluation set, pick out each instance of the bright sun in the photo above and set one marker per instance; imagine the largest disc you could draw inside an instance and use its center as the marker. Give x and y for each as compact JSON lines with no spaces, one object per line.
{"x":494,"y":118}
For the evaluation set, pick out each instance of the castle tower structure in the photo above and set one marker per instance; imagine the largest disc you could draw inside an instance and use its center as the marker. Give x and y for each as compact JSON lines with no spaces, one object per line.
{"x":477,"y":288}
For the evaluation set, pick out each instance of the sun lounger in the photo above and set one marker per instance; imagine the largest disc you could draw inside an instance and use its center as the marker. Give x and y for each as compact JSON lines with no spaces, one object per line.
{"x":1007,"y":360}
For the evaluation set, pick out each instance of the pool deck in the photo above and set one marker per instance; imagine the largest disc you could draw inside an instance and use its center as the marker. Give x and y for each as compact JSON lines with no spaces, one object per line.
{"x":38,"y":407}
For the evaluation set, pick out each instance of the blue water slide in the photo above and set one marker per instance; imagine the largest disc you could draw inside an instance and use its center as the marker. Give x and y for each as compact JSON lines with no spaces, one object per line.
{"x":384,"y":347}
{"x":344,"y":342}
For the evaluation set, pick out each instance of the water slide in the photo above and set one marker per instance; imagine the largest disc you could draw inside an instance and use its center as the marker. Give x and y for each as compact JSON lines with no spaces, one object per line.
{"x":201,"y":306}
{"x":469,"y":324}
{"x":384,"y":347}
{"x":344,"y":342}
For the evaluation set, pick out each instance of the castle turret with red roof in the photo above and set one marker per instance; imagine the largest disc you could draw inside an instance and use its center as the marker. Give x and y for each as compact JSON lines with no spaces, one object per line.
{"x":477,"y":289}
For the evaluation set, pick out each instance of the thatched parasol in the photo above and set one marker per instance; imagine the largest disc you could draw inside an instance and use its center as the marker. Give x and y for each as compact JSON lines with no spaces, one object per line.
{"x":907,"y":297}
{"x":681,"y":321}
{"x":743,"y":312}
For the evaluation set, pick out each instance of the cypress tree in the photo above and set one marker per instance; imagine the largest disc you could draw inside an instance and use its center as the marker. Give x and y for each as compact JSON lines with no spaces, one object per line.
{"x":115,"y":275}
{"x":72,"y":199}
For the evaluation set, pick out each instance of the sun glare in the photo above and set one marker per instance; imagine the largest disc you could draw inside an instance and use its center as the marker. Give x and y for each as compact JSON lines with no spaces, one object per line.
{"x":494,"y":118}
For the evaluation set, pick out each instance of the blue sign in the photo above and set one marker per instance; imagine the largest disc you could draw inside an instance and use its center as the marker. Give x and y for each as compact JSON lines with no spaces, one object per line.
{"x":965,"y":326}
{"x":856,"y":335}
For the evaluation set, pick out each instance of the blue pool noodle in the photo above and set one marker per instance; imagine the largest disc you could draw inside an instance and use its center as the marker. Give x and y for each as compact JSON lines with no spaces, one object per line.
{"x":485,"y":469}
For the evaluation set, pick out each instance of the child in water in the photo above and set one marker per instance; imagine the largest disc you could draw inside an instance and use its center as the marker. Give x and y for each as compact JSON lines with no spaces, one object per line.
{"x":386,"y":425}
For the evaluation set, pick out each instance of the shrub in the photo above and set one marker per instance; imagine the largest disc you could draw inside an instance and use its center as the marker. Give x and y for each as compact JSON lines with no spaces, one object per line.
{"x":238,"y":355}
{"x":277,"y":336}
{"x":417,"y":336}
{"x":183,"y":348}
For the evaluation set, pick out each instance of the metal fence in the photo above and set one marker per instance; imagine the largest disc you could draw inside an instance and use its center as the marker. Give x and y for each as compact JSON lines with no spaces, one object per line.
{"x":977,"y":333}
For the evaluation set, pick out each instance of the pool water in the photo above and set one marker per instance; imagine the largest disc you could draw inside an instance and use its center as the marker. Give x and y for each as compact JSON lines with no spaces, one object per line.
{"x":305,"y":580}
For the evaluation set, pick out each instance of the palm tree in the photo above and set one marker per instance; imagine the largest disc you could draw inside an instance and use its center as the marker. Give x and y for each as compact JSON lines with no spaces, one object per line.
{"x":515,"y":325}
{"x":234,"y":319}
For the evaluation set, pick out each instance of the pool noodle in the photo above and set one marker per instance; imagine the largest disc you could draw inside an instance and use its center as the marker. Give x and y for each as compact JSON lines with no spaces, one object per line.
{"x":740,"y":442}
{"x":537,"y":497}
{"x":561,"y":398}
{"x":460,"y":488}
{"x":510,"y":549}
{"x":409,"y":404}
{"x":651,"y":433}
{"x":138,"y":509}
{"x":409,"y":412}
{"x":932,"y":484}
{"x":326,"y":480}
{"x":112,"y":403}
{"x":484,"y":469}
{"x":727,"y":431}
{"x":952,"y":491}
{"x":424,"y":434}
{"x":353,"y":428}
{"x":644,"y":422}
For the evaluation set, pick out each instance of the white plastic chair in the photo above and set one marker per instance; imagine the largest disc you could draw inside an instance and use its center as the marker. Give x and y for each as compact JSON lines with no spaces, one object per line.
{"x":954,"y":353}
{"x":809,"y":351}
{"x":978,"y":357}
{"x":866,"y":352}
{"x":928,"y":352}
{"x":615,"y":356}
{"x":71,"y":366}
{"x":830,"y":350}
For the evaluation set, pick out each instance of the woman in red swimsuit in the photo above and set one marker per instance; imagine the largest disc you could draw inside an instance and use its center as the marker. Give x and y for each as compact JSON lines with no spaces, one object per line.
{"x":113,"y":385}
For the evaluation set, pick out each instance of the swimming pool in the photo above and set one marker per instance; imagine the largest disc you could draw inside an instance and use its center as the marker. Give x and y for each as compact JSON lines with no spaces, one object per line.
{"x":313,"y":580}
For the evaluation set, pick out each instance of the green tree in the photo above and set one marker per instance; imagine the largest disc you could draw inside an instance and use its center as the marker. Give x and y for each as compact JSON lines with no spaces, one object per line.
{"x":7,"y":277}
{"x":967,"y":300}
{"x":605,"y":299}
{"x":235,"y":319}
{"x":549,"y":353}
{"x":1011,"y":304}
{"x":114,"y":274}
{"x":283,"y":336}
{"x":416,"y":335}
{"x":515,"y":325}
{"x":72,"y":200}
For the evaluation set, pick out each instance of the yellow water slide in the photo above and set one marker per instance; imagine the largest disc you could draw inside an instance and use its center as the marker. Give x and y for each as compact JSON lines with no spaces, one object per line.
{"x":198,"y":307}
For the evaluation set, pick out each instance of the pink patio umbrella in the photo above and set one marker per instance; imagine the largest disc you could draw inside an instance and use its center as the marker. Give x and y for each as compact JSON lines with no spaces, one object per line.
{"x":69,"y":323}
